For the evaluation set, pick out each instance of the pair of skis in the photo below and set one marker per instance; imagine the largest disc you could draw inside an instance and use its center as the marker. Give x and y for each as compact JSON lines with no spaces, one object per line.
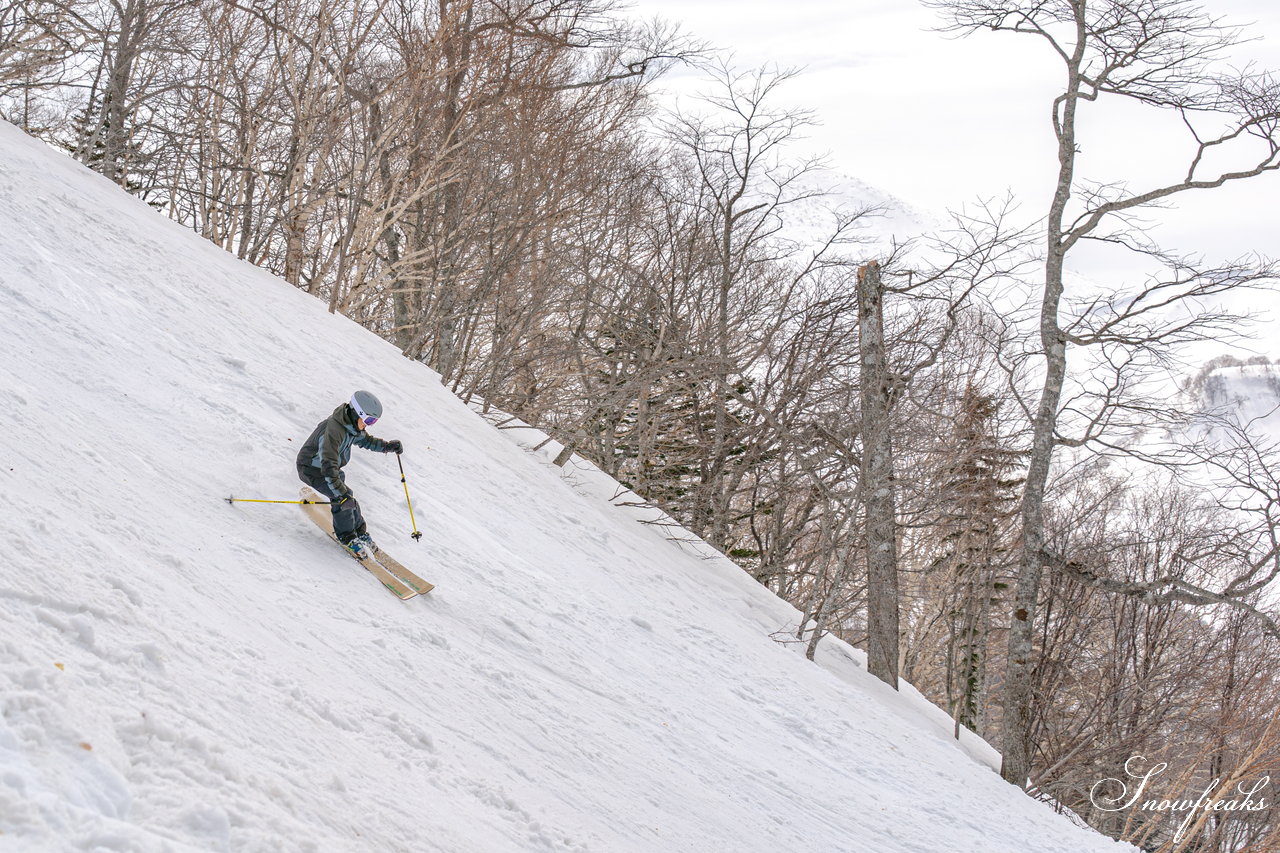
{"x":387,"y":569}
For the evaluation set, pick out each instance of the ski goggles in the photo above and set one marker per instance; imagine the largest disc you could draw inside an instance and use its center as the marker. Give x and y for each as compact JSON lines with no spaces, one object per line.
{"x":362,"y":414}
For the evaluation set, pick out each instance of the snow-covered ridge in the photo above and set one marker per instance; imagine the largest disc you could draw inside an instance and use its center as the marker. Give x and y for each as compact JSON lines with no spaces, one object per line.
{"x":180,"y":675}
{"x":1251,"y":390}
{"x":1247,"y":394}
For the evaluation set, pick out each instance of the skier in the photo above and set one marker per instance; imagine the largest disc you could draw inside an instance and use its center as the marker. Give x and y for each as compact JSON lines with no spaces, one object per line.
{"x":328,"y":449}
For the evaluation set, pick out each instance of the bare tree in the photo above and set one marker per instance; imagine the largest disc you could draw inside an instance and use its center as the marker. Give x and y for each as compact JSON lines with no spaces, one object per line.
{"x":37,"y":38}
{"x":138,"y":55}
{"x":1161,"y":54}
{"x":748,"y":180}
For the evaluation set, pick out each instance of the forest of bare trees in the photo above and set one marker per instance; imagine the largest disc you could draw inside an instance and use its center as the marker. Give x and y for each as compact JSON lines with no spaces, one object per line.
{"x":944,"y":448}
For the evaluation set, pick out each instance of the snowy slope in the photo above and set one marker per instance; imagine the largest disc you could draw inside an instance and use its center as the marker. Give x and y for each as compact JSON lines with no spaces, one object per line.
{"x":177,"y":674}
{"x":1249,"y":394}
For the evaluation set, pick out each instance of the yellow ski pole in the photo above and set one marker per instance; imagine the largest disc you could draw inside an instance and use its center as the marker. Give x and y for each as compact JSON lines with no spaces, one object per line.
{"x":417,"y":535}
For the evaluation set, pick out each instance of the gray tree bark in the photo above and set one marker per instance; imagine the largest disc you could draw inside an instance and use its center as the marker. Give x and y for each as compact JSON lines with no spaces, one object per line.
{"x":877,"y":481}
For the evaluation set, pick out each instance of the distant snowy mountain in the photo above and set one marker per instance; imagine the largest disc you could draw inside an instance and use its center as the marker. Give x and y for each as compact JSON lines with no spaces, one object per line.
{"x":1252,"y":390}
{"x":888,"y":220}
{"x":1249,"y":393}
{"x":178,"y":674}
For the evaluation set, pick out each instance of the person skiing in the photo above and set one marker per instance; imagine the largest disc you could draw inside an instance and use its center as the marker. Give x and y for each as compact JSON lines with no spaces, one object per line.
{"x":328,"y":449}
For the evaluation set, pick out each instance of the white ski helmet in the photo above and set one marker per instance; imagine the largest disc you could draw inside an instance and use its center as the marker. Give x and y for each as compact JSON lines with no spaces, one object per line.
{"x":367,"y":407}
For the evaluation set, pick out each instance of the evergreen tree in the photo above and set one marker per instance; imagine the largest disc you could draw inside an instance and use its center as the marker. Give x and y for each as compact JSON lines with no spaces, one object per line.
{"x":980,"y":489}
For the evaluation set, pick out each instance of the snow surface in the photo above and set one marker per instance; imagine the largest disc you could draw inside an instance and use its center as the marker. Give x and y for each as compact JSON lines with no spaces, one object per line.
{"x":1249,"y":394}
{"x":177,"y":674}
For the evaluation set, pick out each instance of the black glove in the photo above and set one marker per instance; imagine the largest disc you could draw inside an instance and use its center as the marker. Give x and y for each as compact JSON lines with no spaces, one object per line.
{"x":342,"y":498}
{"x":395,"y":447}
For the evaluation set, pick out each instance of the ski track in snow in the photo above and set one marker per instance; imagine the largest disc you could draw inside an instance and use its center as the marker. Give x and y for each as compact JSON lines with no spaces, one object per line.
{"x":178,"y":674}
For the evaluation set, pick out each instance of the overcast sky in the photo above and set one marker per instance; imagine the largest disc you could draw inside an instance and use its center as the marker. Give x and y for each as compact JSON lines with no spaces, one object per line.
{"x":940,"y":121}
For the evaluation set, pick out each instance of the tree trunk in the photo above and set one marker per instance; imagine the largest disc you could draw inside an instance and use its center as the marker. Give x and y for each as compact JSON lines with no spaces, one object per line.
{"x":457,"y":55}
{"x":1018,"y":688}
{"x":877,"y":481}
{"x":110,"y":132}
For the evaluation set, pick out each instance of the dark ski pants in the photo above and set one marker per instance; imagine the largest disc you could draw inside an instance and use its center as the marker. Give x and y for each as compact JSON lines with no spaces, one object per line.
{"x":348,"y":521}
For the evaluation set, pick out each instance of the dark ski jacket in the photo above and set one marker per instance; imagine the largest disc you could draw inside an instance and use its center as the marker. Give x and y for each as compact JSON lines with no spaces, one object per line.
{"x":329,"y":446}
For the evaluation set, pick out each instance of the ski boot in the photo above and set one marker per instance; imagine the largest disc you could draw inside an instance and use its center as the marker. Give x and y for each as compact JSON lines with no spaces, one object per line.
{"x":367,"y":540}
{"x":358,"y":549}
